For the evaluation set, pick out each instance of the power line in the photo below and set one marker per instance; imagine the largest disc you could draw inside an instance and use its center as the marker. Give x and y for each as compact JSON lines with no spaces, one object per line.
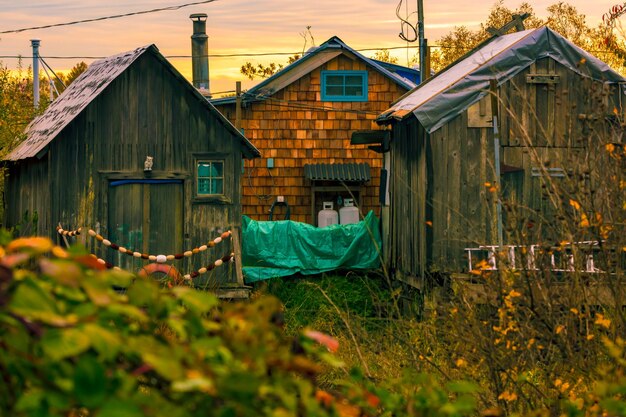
{"x":117,"y":16}
{"x":242,"y":55}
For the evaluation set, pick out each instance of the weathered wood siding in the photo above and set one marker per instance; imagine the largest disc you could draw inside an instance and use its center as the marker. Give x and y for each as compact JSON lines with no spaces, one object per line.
{"x":294,"y":127}
{"x":441,"y":196}
{"x":145,"y":111}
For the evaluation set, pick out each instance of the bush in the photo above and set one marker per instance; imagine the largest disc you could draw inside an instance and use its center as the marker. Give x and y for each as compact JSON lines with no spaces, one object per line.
{"x":71,"y":345}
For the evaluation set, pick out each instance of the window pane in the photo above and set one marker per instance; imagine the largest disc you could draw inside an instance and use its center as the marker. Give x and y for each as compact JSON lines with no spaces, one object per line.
{"x":217,"y":169}
{"x":334,"y":91}
{"x":203,"y":170}
{"x":203,"y":186}
{"x":334,"y":79}
{"x":354,"y":80}
{"x":354,"y":91}
{"x":217,"y":186}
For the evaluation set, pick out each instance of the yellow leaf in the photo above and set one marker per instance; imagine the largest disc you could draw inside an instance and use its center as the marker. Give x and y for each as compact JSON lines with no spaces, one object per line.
{"x":574,"y":310}
{"x":574,"y":204}
{"x":610,"y":148}
{"x":559,"y":329}
{"x":514,"y":293}
{"x":460,"y":363}
{"x":508,"y":396}
{"x":584,"y":222}
{"x":34,"y":244}
{"x":602,"y":321}
{"x":590,"y":337}
{"x":487,"y":184}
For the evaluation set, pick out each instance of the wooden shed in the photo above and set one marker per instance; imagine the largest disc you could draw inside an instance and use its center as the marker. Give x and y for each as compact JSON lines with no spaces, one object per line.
{"x":133,"y":151}
{"x":552,"y":99}
{"x":304,"y":115}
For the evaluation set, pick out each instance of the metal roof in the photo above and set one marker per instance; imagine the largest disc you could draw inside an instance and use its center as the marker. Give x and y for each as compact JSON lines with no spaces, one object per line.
{"x":313,"y":59}
{"x":443,"y":97}
{"x":352,"y":172}
{"x":43,"y":129}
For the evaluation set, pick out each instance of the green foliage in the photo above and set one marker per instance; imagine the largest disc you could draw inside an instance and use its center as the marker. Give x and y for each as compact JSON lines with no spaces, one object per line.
{"x":72,"y":346}
{"x":306,"y":305}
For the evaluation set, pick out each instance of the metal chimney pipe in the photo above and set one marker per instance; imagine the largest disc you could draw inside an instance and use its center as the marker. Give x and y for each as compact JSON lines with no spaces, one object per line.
{"x":35,"y":45}
{"x":200,"y":54}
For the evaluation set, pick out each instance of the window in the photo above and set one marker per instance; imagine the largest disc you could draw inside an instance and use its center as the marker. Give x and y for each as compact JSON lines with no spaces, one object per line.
{"x":210,"y":178}
{"x":344,"y":85}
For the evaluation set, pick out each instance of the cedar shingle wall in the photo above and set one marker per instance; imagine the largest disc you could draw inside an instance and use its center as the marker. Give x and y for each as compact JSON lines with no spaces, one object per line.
{"x":295,"y":128}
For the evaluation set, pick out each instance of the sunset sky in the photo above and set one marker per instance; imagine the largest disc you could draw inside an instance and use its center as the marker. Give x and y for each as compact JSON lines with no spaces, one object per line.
{"x":235,"y":27}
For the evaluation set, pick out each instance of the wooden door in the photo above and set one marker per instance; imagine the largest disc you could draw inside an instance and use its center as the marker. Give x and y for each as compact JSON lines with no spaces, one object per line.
{"x":145,"y":216}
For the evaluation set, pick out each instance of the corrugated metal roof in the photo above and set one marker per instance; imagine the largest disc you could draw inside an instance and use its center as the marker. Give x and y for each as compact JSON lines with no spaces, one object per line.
{"x":451,"y":91}
{"x":338,"y":172}
{"x":310,"y":61}
{"x":72,"y":102}
{"x":43,"y":129}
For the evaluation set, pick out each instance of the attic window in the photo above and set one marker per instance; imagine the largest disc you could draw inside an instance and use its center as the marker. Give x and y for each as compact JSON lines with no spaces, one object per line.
{"x":210,"y":178}
{"x":344,"y":86}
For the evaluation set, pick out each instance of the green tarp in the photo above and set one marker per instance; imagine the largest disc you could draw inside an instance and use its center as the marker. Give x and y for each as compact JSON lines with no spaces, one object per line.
{"x":283,"y":248}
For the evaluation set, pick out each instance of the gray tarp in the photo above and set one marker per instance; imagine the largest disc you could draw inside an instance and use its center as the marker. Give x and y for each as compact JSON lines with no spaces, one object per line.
{"x":441,"y":99}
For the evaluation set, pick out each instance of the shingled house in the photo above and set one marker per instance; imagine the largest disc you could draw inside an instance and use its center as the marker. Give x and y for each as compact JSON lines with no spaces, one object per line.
{"x":134,"y":151}
{"x":302,"y":118}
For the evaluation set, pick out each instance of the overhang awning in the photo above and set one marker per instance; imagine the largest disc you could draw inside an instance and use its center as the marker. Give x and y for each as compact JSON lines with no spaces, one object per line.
{"x":359,"y":173}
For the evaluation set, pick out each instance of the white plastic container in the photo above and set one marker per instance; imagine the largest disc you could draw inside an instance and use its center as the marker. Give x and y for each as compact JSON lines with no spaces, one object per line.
{"x":327,"y":216}
{"x":348,"y":214}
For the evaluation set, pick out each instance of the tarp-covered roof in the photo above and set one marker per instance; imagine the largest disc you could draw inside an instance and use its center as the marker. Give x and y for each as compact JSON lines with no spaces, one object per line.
{"x":453,"y":90}
{"x":312,"y":60}
{"x":43,"y":129}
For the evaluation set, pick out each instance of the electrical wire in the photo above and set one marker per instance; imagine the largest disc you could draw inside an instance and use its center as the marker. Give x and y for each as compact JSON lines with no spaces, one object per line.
{"x":261,"y":197}
{"x":50,"y":82}
{"x":295,"y":105}
{"x":404,"y":24}
{"x":117,"y":16}
{"x":54,"y":73}
{"x":242,"y":55}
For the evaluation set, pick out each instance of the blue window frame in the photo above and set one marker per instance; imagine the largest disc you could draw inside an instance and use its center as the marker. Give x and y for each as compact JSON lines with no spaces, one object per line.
{"x":210,"y":178}
{"x":344,"y":86}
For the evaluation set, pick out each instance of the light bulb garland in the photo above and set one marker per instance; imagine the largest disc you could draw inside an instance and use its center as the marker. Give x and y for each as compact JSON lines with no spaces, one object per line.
{"x":219,"y":262}
{"x":108,"y":265}
{"x":159,"y":258}
{"x":69,"y":232}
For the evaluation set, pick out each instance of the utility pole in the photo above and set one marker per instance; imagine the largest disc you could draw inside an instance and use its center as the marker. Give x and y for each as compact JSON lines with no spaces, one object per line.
{"x":34,"y":43}
{"x":238,"y":105}
{"x":422,"y":41}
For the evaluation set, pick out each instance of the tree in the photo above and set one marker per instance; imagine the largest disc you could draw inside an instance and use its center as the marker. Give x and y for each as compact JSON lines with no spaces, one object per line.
{"x":562,"y":18}
{"x":252,"y":71}
{"x":384,"y":56}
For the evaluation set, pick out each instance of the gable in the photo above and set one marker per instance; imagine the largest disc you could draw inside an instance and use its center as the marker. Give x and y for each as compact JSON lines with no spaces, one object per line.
{"x":464,"y":83}
{"x":312,"y":61}
{"x":88,"y":87}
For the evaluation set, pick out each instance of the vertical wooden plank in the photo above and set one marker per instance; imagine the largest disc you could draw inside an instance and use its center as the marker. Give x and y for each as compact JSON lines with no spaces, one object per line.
{"x":238,"y":256}
{"x":146,"y":218}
